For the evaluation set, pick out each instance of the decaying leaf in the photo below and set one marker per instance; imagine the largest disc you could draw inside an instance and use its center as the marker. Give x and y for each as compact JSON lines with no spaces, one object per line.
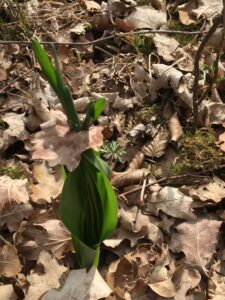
{"x":9,"y":261}
{"x":215,"y":114}
{"x":133,"y":220}
{"x":16,"y":125}
{"x":128,"y":177}
{"x":51,"y":235}
{"x":172,"y":202}
{"x":59,"y":146}
{"x":42,"y":281}
{"x":146,"y":17}
{"x":14,"y":201}
{"x":197,"y":239}
{"x":81,"y":285}
{"x":166,"y":46}
{"x":207,"y":9}
{"x":48,"y":186}
{"x":175,"y":127}
{"x":216,"y":287}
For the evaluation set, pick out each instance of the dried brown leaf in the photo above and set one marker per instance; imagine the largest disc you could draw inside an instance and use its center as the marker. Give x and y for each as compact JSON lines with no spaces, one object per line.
{"x":81,"y":285}
{"x":197,"y":239}
{"x":128,"y":177}
{"x":136,"y":162}
{"x":7,"y":292}
{"x":48,"y":186}
{"x":166,"y":46}
{"x":172,"y":202}
{"x":175,"y":127}
{"x":216,"y":290}
{"x":42,"y":281}
{"x":9,"y":261}
{"x":16,"y":125}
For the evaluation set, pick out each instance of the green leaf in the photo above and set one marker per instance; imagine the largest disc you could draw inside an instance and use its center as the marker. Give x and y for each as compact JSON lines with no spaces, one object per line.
{"x":94,"y":110}
{"x":94,"y":158}
{"x":88,"y":204}
{"x":45,"y":63}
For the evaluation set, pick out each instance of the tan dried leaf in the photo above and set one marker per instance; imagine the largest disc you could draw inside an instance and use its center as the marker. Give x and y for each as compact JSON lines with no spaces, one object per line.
{"x":166,"y":46}
{"x":92,"y":6}
{"x":216,"y":290}
{"x":51,"y":235}
{"x":208,"y":9}
{"x":185,"y":279}
{"x":197,"y":239}
{"x":41,"y":282}
{"x":146,"y":17}
{"x":7,"y":292}
{"x":16,"y":125}
{"x":81,"y":285}
{"x":59,"y":146}
{"x":136,"y":161}
{"x":133,"y":220}
{"x":164,"y":288}
{"x":212,"y":191}
{"x":14,"y":198}
{"x":157,"y":146}
{"x":172,"y":202}
{"x":9,"y":261}
{"x":185,"y":12}
{"x":175,"y":127}
{"x":128,"y":177}
{"x":48,"y":186}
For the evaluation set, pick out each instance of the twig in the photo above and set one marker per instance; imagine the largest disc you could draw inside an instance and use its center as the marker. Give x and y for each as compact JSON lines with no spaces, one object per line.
{"x":205,"y":40}
{"x":23,"y":42}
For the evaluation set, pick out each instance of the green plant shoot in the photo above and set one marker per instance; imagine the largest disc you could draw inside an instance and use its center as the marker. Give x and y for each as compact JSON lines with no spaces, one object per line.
{"x":88,"y":205}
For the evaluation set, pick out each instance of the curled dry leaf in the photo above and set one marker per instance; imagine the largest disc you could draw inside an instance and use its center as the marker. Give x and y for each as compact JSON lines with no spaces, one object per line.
{"x":185,"y":12}
{"x":16,"y":125}
{"x":51,"y":235}
{"x":197,"y":239}
{"x":14,"y":200}
{"x":133,"y":220}
{"x":7,"y":292}
{"x":9,"y":261}
{"x":166,"y":46}
{"x":81,"y":285}
{"x":172,"y":202}
{"x":48,"y":186}
{"x":128,"y":177}
{"x":136,"y":162}
{"x":157,"y":146}
{"x":175,"y":127}
{"x":42,"y":281}
{"x":59,"y":146}
{"x":146,"y":17}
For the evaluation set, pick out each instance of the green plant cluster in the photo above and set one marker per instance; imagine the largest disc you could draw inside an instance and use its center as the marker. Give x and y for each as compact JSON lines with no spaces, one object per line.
{"x":14,"y":172}
{"x":113,"y":152}
{"x":198,"y":152}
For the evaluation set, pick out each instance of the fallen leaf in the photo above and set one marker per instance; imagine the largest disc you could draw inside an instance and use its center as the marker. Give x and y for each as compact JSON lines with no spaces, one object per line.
{"x":172,"y":202}
{"x":216,"y":290}
{"x":146,"y":17}
{"x":7,"y":292}
{"x":221,"y":142}
{"x":92,"y":6}
{"x":197,"y":239}
{"x":48,"y":186}
{"x":215,"y":114}
{"x":166,"y":46}
{"x":207,"y":9}
{"x":51,"y":235}
{"x":42,"y":281}
{"x":59,"y":146}
{"x":185,"y":12}
{"x":9,"y":261}
{"x":175,"y":127}
{"x":81,"y":285}
{"x":129,"y":177}
{"x":16,"y":125}
{"x":164,"y":288}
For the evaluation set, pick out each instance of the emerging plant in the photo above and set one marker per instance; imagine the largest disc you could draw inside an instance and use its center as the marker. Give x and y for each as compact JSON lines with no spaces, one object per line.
{"x":113,"y":152}
{"x":88,"y":205}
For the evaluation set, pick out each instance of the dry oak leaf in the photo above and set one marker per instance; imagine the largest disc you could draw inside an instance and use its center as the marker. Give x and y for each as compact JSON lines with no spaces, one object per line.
{"x":7,"y":292}
{"x":49,"y":185}
{"x":59,"y":146}
{"x":146,"y":17}
{"x":172,"y":202}
{"x":51,"y":235}
{"x":9,"y":261}
{"x":14,"y":198}
{"x":197,"y":240}
{"x":81,"y":285}
{"x":48,"y":278}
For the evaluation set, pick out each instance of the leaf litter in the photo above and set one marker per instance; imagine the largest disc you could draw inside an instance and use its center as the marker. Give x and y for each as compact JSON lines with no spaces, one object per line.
{"x":169,"y":239}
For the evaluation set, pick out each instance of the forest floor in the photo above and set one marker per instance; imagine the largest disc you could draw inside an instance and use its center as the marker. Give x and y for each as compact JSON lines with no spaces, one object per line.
{"x":166,"y":154}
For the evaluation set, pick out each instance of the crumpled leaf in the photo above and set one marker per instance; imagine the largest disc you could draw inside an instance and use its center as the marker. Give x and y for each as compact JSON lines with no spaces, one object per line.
{"x":133,"y":220}
{"x":48,"y":186}
{"x":128,"y":177}
{"x":59,"y":146}
{"x":16,"y":125}
{"x":216,"y":290}
{"x":197,"y":239}
{"x":81,"y":285}
{"x":42,"y":281}
{"x":9,"y":261}
{"x":7,"y":292}
{"x":166,"y":46}
{"x":51,"y":235}
{"x":14,"y":201}
{"x":172,"y":202}
{"x":146,"y":17}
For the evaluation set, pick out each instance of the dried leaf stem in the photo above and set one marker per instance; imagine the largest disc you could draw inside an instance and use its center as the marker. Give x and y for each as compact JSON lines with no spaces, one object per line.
{"x":205,"y":40}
